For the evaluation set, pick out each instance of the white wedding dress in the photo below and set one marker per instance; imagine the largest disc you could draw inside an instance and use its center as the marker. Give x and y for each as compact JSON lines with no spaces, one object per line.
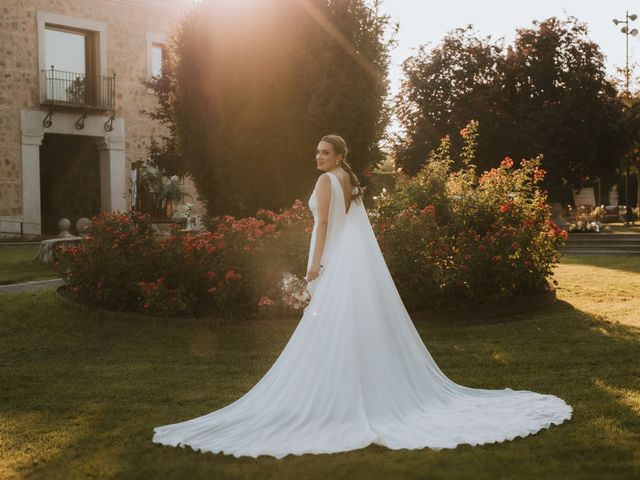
{"x":355,"y":371}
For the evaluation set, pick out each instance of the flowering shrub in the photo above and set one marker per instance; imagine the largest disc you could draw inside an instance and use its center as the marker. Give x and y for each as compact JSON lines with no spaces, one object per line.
{"x":584,"y":224}
{"x":121,"y":265}
{"x":102,"y":269}
{"x":453,"y":237}
{"x":447,"y":236}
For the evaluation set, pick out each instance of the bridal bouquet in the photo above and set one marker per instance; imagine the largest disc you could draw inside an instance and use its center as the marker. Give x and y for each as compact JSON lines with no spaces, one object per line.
{"x":294,"y":291}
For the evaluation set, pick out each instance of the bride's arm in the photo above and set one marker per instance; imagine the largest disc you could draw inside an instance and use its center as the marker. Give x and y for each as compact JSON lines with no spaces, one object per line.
{"x":323,"y":195}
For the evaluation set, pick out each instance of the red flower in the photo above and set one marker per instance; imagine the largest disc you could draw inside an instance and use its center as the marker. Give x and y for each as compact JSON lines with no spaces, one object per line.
{"x":507,"y":162}
{"x":265,"y":301}
{"x":232,"y":275}
{"x":429,"y":210}
{"x":538,"y":174}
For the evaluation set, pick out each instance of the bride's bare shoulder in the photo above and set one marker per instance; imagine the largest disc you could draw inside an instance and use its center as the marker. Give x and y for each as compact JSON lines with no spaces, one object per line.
{"x":323,"y":184}
{"x":323,"y":179}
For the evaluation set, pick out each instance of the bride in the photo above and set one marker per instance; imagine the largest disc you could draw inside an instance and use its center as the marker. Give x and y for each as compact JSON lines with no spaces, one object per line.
{"x":355,"y":371}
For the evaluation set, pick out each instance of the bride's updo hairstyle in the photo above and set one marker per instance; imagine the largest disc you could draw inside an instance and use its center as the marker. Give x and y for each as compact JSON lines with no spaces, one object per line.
{"x":340,"y":147}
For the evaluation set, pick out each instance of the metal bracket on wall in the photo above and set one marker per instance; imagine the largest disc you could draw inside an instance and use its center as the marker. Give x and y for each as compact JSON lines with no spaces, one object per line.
{"x":108,"y":125}
{"x":48,"y":120}
{"x":80,"y":121}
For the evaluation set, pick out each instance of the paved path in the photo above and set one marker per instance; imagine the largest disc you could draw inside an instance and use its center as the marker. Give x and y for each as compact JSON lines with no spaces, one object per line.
{"x":31,"y":286}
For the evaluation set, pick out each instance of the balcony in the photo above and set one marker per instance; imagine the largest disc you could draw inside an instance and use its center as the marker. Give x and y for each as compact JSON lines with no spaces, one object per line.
{"x":79,"y":90}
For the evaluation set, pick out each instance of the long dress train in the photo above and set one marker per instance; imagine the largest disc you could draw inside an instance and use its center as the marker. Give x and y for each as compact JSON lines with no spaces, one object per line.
{"x":355,"y":371}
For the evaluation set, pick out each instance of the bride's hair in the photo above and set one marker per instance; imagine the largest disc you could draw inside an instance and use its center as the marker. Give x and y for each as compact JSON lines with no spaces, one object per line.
{"x":340,"y":146}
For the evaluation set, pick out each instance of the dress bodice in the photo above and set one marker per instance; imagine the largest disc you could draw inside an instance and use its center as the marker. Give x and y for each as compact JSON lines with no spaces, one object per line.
{"x":313,"y":206}
{"x":336,"y":219}
{"x":313,"y":199}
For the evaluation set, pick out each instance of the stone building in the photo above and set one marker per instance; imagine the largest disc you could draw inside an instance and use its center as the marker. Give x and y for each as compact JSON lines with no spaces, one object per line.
{"x":71,"y":95}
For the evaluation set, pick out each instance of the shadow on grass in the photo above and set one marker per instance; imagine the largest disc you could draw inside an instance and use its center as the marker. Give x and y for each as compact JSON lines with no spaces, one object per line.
{"x":81,"y":394}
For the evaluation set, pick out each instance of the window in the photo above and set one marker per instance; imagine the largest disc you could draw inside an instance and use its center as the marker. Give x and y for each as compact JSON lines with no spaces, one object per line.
{"x":70,"y":75}
{"x":65,"y":50}
{"x":155,"y":53}
{"x":156,"y":59}
{"x":72,"y":58}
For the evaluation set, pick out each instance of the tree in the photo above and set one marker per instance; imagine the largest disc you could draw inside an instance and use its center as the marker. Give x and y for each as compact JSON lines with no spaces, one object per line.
{"x":632,"y":104}
{"x":562,"y":105}
{"x":247,"y":94}
{"x":548,"y":94}
{"x":443,"y":89}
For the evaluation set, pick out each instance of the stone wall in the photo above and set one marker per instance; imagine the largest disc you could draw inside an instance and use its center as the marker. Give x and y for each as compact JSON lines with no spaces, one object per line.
{"x":128,"y":24}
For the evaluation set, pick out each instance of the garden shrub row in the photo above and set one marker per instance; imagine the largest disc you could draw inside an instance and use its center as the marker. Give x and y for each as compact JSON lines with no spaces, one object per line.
{"x":449,"y":236}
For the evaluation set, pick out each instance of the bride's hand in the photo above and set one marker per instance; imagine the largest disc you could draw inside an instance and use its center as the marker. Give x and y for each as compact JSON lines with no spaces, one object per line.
{"x":313,"y":273}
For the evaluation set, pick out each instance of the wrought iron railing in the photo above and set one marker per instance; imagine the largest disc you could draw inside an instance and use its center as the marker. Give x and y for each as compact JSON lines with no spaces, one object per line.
{"x":79,"y":89}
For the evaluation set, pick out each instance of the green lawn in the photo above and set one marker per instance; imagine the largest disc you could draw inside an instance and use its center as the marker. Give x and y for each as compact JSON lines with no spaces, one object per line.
{"x":620,"y":227}
{"x":17,"y":265}
{"x":80,"y":393}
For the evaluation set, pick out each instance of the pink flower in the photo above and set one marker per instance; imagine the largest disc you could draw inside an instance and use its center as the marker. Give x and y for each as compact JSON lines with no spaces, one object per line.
{"x":265,"y":301}
{"x":232,"y":275}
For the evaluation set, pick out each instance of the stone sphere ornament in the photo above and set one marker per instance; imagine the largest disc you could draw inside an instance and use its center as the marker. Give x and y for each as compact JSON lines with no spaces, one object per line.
{"x":82,"y":225}
{"x":64,"y":224}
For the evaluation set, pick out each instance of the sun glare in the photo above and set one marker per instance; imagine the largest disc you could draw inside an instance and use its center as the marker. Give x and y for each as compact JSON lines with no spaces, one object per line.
{"x":241,"y":4}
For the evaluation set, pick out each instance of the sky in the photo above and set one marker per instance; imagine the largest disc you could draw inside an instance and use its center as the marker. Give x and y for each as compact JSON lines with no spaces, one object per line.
{"x":426,"y":22}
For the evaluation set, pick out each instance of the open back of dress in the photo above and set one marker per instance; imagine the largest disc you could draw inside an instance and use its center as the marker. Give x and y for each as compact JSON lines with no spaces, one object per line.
{"x":355,"y":371}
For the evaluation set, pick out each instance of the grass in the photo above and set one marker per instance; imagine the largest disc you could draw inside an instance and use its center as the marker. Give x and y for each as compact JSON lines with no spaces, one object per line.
{"x":620,"y":227}
{"x":80,"y":393}
{"x":17,"y":265}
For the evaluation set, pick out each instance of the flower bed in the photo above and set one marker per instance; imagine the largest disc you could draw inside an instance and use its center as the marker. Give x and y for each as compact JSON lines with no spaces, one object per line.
{"x":449,"y":238}
{"x":121,"y":265}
